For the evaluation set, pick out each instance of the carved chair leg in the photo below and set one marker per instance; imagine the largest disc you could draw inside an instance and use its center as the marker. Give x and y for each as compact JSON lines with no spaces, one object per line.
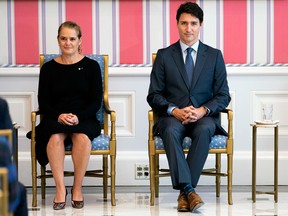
{"x":34,"y":181}
{"x":113,"y":201}
{"x":157,"y":175}
{"x":105,"y":176}
{"x":229,"y":182}
{"x":218,"y":170}
{"x":152,"y":179}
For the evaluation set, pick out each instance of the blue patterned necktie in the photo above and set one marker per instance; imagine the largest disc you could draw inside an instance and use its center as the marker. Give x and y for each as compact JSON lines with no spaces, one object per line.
{"x":189,"y":64}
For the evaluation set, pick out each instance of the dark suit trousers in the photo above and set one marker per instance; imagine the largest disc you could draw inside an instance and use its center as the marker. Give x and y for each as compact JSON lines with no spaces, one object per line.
{"x":172,"y":132}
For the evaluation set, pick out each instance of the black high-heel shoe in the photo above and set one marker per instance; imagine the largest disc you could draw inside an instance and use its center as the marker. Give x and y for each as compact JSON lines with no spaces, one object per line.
{"x":76,"y":204}
{"x":60,"y":205}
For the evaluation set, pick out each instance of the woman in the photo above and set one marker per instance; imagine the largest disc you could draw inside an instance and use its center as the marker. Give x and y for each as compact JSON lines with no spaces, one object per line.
{"x":69,"y":95}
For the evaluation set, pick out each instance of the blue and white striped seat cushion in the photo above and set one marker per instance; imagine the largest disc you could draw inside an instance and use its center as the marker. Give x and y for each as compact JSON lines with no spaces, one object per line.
{"x":102,"y":142}
{"x":217,"y":142}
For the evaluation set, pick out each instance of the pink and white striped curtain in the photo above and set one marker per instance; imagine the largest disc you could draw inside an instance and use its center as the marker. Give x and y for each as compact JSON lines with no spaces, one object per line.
{"x":247,"y":31}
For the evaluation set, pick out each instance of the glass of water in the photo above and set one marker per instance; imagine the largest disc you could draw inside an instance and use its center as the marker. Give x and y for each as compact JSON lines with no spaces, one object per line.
{"x":267,"y":111}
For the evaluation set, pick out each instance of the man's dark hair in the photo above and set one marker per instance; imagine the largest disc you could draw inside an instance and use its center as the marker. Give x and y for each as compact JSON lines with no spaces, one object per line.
{"x":190,"y":8}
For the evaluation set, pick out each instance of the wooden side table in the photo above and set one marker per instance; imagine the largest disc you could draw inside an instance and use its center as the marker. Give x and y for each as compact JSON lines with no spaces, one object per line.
{"x":254,"y":149}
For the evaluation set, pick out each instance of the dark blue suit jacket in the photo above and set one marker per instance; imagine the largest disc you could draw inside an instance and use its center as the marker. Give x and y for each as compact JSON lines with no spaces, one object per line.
{"x":169,"y":82}
{"x":5,"y":119}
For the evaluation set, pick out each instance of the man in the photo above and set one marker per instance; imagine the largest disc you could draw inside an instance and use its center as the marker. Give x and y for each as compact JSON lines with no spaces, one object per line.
{"x":17,"y":191}
{"x":188,"y":102}
{"x":5,"y":119}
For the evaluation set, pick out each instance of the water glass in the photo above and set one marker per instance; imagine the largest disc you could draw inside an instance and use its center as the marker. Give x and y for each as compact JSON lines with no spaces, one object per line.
{"x":267,"y":111}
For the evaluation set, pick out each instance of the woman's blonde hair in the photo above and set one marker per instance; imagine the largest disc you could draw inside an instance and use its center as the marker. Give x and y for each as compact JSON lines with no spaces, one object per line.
{"x":70,"y":24}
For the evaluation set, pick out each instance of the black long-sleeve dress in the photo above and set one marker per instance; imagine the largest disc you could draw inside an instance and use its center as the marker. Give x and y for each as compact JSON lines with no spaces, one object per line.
{"x":74,"y":88}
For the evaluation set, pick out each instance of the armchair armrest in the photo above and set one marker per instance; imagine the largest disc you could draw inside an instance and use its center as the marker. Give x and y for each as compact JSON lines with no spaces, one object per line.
{"x":230,"y":130}
{"x":230,"y":121}
{"x":109,"y":111}
{"x":112,"y":114}
{"x":151,"y":120}
{"x":34,"y":115}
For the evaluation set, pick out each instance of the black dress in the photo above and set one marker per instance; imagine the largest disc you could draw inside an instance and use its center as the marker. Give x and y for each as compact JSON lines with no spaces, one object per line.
{"x":74,"y":88}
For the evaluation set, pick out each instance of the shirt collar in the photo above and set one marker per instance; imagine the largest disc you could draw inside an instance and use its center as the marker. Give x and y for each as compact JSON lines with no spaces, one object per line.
{"x":194,"y":46}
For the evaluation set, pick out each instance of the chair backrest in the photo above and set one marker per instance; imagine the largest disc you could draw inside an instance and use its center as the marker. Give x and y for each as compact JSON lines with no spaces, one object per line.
{"x":153,"y":57}
{"x":103,"y":63}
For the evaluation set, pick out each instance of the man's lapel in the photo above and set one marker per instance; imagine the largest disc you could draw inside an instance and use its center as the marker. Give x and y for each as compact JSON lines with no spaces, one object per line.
{"x":178,"y":59}
{"x":200,"y":61}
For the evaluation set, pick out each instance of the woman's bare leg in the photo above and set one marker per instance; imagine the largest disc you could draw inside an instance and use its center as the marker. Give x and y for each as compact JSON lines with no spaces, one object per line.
{"x":80,"y":156}
{"x":56,"y":155}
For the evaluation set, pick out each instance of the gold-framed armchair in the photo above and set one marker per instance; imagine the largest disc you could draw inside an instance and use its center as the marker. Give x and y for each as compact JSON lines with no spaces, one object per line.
{"x":4,"y":194}
{"x":219,"y":145}
{"x":104,"y":144}
{"x":4,"y":184}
